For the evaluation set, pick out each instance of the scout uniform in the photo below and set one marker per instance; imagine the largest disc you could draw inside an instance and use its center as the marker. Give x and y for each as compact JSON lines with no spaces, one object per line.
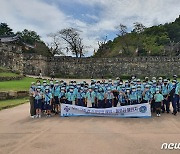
{"x":122,"y":98}
{"x":48,"y":101}
{"x":158,"y":102}
{"x":70,"y":96}
{"x":109,"y":97}
{"x":147,"y":95}
{"x":139,"y":94}
{"x":165,"y":93}
{"x":80,"y":97}
{"x":56,"y":91}
{"x":62,"y":98}
{"x":38,"y":102}
{"x":91,"y":97}
{"x":100,"y":98}
{"x":133,"y":96}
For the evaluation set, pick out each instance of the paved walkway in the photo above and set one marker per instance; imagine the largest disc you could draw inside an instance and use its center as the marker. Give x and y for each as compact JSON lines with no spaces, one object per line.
{"x":21,"y":135}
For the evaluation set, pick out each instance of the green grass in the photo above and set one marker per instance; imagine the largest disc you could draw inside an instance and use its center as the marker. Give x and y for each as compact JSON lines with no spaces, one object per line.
{"x":5,"y":104}
{"x":17,"y":85}
{"x":8,"y":74}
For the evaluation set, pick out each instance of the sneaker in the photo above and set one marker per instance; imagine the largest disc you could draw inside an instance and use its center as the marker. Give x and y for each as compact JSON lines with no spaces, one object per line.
{"x":39,"y":116}
{"x":36,"y":116}
{"x":157,"y":115}
{"x":32,"y":117}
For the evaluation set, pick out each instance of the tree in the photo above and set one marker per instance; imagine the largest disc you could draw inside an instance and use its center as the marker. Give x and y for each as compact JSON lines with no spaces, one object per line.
{"x":29,"y":37}
{"x":55,"y":45}
{"x":122,"y":30}
{"x":138,"y":27}
{"x":5,"y":29}
{"x":73,"y":41}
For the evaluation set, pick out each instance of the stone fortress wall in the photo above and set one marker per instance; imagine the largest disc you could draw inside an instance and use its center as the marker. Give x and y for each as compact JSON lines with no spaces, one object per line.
{"x":33,"y":64}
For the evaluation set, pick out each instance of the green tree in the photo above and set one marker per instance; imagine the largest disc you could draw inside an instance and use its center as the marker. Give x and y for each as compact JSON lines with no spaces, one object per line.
{"x":30,"y":37}
{"x":5,"y":29}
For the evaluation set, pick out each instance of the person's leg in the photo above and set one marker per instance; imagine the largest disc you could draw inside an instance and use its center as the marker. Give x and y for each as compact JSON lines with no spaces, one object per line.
{"x":167,"y":105}
{"x":31,"y":106}
{"x":174,"y":105}
{"x":178,"y":103}
{"x":115,"y":102}
{"x":163,"y":106}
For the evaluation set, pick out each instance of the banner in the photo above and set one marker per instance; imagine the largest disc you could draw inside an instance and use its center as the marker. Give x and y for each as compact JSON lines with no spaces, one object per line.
{"x":131,"y":111}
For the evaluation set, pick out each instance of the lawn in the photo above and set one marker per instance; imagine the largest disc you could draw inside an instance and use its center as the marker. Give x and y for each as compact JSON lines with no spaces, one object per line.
{"x":16,"y":85}
{"x":8,"y":74}
{"x":12,"y":103}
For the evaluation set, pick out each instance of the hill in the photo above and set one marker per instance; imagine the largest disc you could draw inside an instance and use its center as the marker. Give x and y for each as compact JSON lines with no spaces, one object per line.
{"x":160,"y":40}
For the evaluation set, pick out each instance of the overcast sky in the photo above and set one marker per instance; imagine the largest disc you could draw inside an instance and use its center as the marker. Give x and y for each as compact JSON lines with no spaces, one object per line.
{"x":95,"y":18}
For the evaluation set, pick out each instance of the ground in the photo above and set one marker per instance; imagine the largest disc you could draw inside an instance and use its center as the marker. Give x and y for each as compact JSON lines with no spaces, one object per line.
{"x":20,"y":134}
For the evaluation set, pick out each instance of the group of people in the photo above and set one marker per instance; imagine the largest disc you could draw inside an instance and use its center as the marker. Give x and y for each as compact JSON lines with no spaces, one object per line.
{"x":47,"y":97}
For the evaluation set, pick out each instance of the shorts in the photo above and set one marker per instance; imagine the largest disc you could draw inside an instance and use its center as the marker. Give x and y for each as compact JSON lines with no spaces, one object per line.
{"x":157,"y":104}
{"x":69,"y":102}
{"x":133,"y":102}
{"x":38,"y":104}
{"x":48,"y":106}
{"x":108,"y":103}
{"x":81,"y":102}
{"x":56,"y":98}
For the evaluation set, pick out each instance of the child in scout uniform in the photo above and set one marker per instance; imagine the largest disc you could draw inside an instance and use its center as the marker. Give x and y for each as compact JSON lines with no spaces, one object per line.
{"x":70,"y":96}
{"x":122,"y":98}
{"x":100,"y":98}
{"x":90,"y":96}
{"x":38,"y":101}
{"x":56,"y":91}
{"x":80,"y":97}
{"x":62,"y":98}
{"x":147,"y":96}
{"x":48,"y":101}
{"x":158,"y":102}
{"x":96,"y":93}
{"x":165,"y":93}
{"x":153,"y":92}
{"x":133,"y":96}
{"x":139,"y":94}
{"x":109,"y":98}
{"x":127,"y":94}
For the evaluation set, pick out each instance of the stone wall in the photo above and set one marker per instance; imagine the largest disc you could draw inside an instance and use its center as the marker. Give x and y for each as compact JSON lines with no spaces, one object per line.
{"x":13,"y":94}
{"x":90,"y":67}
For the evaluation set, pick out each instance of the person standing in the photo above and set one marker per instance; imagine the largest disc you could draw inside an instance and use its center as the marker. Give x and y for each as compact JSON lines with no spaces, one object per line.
{"x":158,"y":102}
{"x":31,"y":99}
{"x":38,"y":95}
{"x":109,"y":98}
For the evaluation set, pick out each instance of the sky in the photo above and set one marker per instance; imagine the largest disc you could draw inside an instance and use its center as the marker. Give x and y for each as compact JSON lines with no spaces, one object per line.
{"x":96,"y":19}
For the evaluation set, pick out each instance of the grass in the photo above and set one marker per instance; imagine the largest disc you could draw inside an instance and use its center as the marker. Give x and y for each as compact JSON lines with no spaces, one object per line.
{"x":5,"y":104}
{"x":8,"y":74}
{"x":17,"y":85}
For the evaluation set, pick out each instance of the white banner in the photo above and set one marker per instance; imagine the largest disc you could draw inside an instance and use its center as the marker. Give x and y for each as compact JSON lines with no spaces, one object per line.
{"x":131,"y":111}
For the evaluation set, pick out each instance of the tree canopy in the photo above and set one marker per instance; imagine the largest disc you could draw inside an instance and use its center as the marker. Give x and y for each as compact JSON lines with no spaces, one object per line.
{"x":160,"y":40}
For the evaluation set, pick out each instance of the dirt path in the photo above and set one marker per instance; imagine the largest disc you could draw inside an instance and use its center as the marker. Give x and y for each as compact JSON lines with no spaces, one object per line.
{"x":21,"y":135}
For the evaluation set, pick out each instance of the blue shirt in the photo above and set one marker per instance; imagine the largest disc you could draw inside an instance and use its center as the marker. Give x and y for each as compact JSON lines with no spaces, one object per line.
{"x":56,"y":90}
{"x":133,"y":96}
{"x":70,"y":96}
{"x":38,"y":95}
{"x":100,"y":95}
{"x":47,"y":97}
{"x":91,"y":96}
